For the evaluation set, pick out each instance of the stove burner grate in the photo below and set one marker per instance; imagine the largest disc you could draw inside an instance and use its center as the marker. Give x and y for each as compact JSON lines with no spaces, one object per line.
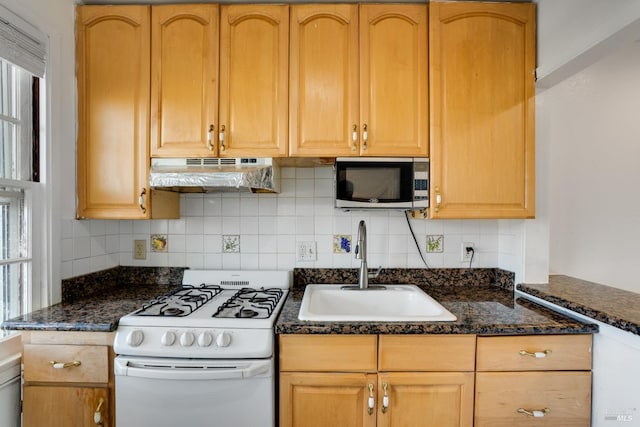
{"x":180,"y":302}
{"x":250,"y":303}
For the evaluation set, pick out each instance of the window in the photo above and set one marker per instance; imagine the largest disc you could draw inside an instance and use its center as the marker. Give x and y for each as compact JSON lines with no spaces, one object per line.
{"x":16,"y":187}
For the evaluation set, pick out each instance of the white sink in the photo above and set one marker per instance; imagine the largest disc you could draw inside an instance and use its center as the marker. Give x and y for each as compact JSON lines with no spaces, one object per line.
{"x":395,"y":303}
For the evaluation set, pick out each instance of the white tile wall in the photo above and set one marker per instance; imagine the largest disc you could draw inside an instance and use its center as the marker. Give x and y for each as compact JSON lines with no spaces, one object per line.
{"x":269,"y":226}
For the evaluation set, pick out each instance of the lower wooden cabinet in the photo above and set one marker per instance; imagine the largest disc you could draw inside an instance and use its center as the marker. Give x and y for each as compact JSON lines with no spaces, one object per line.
{"x":392,"y":387}
{"x":435,"y":380}
{"x":68,"y":379}
{"x":533,"y":380}
{"x":64,"y":406}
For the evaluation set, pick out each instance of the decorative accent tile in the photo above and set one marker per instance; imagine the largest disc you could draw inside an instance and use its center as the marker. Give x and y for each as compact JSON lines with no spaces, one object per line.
{"x":435,"y":243}
{"x":231,"y":243}
{"x":159,"y":242}
{"x":341,"y":243}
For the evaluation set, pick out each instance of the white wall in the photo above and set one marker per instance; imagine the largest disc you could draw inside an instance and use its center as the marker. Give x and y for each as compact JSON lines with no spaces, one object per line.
{"x":573,"y":34}
{"x":595,"y":171}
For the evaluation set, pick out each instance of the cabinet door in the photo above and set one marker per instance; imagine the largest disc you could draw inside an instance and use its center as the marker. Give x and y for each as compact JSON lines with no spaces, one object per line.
{"x":184,"y":80}
{"x":326,"y":399}
{"x":393,"y":80}
{"x":482,"y":60}
{"x":54,"y":406}
{"x":418,"y":399}
{"x":254,"y":59}
{"x":323,"y":107}
{"x":112,"y":66}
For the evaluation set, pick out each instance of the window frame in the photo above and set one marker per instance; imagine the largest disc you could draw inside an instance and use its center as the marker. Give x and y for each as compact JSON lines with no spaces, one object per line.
{"x":35,"y":288}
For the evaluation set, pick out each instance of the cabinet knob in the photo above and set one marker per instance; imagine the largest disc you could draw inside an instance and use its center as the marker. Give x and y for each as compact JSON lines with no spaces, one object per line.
{"x":438,"y":198}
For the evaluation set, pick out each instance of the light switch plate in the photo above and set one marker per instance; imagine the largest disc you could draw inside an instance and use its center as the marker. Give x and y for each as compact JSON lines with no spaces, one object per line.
{"x":139,"y":249}
{"x":306,"y":251}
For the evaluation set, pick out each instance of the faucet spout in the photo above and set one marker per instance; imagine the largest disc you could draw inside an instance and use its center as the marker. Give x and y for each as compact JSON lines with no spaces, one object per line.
{"x":361,"y":254}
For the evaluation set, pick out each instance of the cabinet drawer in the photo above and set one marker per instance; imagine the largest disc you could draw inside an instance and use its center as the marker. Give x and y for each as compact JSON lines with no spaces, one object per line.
{"x":554,"y":352}
{"x":566,"y":396}
{"x":93,"y":367}
{"x":427,"y":353}
{"x":328,"y":352}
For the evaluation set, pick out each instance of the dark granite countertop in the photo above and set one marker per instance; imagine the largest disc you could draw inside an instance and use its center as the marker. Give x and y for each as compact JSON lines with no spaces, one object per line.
{"x":482,"y":300}
{"x":606,"y":304}
{"x":97,"y":301}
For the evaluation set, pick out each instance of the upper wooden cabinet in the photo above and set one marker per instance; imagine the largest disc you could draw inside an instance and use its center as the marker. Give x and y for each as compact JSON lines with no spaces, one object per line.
{"x":482,"y":62}
{"x":113,"y":115}
{"x":184,"y":79}
{"x":240,"y":112}
{"x":358,"y":80}
{"x":254,"y":87}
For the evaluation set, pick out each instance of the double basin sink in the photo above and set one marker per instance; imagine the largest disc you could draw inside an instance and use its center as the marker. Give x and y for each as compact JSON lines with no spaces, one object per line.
{"x":388,"y":303}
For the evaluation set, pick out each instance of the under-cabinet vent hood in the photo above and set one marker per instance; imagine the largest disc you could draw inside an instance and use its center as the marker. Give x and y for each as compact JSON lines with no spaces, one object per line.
{"x":208,"y":175}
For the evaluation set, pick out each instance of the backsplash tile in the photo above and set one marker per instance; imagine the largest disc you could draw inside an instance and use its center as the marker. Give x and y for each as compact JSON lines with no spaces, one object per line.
{"x":267,"y":227}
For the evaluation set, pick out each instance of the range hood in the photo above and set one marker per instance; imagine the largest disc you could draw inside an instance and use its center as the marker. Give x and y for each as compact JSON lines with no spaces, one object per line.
{"x":208,"y":175}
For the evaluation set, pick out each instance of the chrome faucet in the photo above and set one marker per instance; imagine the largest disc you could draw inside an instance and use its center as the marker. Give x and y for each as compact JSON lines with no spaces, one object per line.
{"x":361,"y":254}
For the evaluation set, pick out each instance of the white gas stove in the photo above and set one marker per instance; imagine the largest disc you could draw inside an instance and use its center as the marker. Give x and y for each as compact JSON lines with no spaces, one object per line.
{"x":202,"y":354}
{"x":215,"y":314}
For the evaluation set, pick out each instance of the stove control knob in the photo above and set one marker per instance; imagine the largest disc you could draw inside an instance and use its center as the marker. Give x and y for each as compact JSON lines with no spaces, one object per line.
{"x":205,"y":339}
{"x":186,"y":339}
{"x":223,"y":339}
{"x":168,"y":338}
{"x":135,"y":338}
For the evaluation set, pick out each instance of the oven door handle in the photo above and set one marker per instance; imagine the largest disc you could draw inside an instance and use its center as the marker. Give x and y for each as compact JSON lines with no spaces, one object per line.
{"x":204,"y":372}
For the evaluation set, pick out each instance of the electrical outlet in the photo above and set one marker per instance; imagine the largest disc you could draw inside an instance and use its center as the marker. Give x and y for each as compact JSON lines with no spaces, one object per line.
{"x":465,"y":255}
{"x":306,"y":251}
{"x":139,"y":249}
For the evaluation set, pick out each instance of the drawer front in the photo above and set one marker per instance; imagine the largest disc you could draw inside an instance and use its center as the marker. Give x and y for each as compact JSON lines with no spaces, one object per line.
{"x":73,"y":363}
{"x":427,"y":353}
{"x":328,"y":352}
{"x":561,"y":399}
{"x":534,"y":353}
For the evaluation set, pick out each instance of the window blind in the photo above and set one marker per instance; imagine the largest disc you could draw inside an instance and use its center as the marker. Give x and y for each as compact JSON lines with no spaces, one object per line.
{"x":20,"y":44}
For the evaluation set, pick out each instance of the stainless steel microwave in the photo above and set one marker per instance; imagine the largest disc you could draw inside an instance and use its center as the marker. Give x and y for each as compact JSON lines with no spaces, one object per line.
{"x":381,"y":183}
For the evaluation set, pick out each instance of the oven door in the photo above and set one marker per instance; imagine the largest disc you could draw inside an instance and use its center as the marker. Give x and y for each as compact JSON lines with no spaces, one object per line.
{"x":157,"y":392}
